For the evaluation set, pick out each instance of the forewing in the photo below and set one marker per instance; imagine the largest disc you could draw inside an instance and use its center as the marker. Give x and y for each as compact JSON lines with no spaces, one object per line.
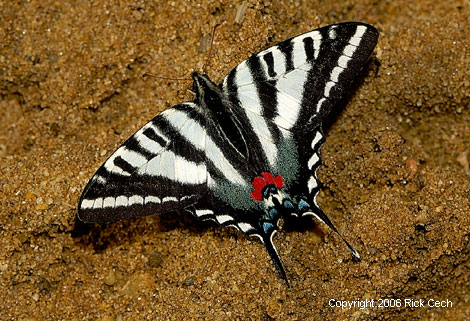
{"x":159,"y":169}
{"x":295,"y":83}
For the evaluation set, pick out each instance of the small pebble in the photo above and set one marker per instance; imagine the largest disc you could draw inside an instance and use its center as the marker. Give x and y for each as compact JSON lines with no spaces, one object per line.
{"x":30,"y":197}
{"x":188,"y":282}
{"x":155,"y":259}
{"x":3,"y":267}
{"x":462,"y":159}
{"x":411,"y":166}
{"x":42,"y":207}
{"x":110,"y":278}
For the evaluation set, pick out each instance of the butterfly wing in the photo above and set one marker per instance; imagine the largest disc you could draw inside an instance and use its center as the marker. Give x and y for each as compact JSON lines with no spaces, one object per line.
{"x":297,"y":82}
{"x":159,"y":169}
{"x":286,"y":92}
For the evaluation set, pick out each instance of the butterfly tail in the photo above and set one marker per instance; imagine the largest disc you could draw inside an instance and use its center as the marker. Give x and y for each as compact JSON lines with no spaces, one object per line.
{"x":267,"y":240}
{"x":324,"y":219}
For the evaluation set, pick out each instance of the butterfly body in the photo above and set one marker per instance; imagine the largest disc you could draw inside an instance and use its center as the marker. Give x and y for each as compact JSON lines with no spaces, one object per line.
{"x":245,"y":152}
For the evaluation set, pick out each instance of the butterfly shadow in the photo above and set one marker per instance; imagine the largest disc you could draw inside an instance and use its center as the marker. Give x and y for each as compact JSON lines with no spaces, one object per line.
{"x":301,"y":224}
{"x":103,"y":236}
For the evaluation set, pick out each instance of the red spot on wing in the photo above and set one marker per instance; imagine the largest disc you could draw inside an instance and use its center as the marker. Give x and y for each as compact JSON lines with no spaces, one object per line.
{"x":260,"y":182}
{"x":279,"y":181}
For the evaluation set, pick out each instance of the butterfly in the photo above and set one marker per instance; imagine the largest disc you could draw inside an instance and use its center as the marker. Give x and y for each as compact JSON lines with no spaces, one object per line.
{"x":245,"y":152}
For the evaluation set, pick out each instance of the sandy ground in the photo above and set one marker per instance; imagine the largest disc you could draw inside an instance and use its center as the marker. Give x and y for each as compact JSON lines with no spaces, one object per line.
{"x":396,"y":166}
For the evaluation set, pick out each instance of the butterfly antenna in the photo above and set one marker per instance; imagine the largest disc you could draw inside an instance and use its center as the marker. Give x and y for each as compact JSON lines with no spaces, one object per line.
{"x":210,"y":49}
{"x":148,"y":74}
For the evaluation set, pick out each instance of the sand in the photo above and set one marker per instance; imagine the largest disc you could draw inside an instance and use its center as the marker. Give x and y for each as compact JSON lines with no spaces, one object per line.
{"x":396,"y":177}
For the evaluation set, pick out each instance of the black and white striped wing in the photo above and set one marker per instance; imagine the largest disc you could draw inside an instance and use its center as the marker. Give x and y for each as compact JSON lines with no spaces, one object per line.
{"x":288,"y":90}
{"x":160,"y":168}
{"x":295,"y":83}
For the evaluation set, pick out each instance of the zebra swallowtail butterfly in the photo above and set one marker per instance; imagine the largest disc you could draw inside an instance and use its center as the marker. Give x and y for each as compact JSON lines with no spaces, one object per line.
{"x":244,"y":152}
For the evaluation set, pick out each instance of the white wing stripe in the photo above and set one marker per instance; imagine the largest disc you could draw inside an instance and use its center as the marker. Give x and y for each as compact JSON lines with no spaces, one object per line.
{"x":98,"y":203}
{"x":279,"y":61}
{"x":188,"y":127}
{"x":316,"y":139}
{"x":243,"y":74}
{"x":335,"y":73}
{"x":175,"y":167}
{"x":189,"y":172}
{"x":356,"y":39}
{"x":147,"y":143}
{"x":315,"y":35}
{"x":109,"y":201}
{"x":217,"y":157}
{"x":313,"y":160}
{"x":100,"y":179}
{"x":252,"y":103}
{"x":87,"y":204}
{"x":289,"y":96}
{"x":328,"y":87}
{"x":221,"y":219}
{"x":200,"y":213}
{"x":287,"y":110}
{"x":349,"y":50}
{"x":316,"y":47}
{"x":264,"y":135}
{"x":320,"y":102}
{"x":166,"y":162}
{"x":169,"y":199}
{"x":133,"y":158}
{"x":312,"y":183}
{"x":136,"y":199}
{"x":298,"y":52}
{"x":343,"y":61}
{"x":332,"y":32}
{"x":152,"y":199}
{"x":122,"y":201}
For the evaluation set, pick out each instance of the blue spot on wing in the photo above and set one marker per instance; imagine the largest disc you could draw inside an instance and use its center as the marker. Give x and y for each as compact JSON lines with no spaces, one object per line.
{"x":288,"y":204}
{"x":267,"y":226}
{"x":273,"y":213}
{"x":303,"y":205}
